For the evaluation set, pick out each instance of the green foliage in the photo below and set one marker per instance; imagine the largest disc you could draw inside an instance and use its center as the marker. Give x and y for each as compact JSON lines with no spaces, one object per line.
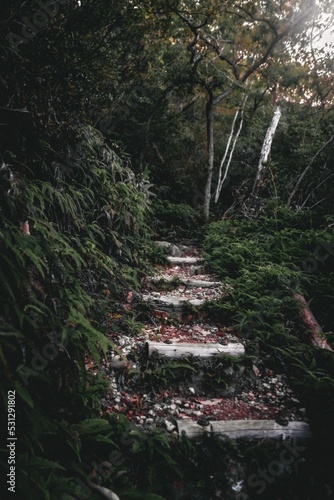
{"x":88,"y":230}
{"x":176,"y":219}
{"x":160,"y":372}
{"x":265,"y":262}
{"x":86,"y":120}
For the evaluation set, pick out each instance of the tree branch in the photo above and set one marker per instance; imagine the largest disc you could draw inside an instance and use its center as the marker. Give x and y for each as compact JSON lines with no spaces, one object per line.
{"x":298,"y":183}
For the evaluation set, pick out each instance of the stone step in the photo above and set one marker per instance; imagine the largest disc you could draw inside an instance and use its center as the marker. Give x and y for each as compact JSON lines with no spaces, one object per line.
{"x":235,"y":429}
{"x":186,"y":282}
{"x":171,"y":302}
{"x":179,"y":261}
{"x":174,"y":250}
{"x":186,"y":349}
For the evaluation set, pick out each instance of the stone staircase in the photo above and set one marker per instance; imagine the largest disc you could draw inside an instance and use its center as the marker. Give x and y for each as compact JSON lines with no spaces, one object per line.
{"x":252,"y":402}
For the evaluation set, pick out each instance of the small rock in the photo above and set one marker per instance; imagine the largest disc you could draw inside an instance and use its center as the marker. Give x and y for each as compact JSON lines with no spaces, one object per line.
{"x":175,"y":251}
{"x":203,"y":421}
{"x":229,"y":372}
{"x":282,"y":420}
{"x":163,"y":244}
{"x":169,"y":426}
{"x":195,"y":270}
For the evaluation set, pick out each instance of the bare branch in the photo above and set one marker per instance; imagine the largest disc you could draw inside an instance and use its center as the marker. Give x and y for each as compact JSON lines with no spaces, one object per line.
{"x":298,"y":183}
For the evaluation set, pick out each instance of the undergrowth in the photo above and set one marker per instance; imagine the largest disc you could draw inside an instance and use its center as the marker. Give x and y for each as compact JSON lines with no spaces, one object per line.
{"x":265,"y":262}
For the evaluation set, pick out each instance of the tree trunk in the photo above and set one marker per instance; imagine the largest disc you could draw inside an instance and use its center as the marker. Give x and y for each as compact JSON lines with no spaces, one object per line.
{"x":266,"y":148}
{"x":317,"y":337}
{"x":220,"y":180}
{"x":210,"y":148}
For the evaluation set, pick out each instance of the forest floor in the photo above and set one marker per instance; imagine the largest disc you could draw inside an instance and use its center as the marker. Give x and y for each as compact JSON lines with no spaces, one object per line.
{"x":222,"y":384}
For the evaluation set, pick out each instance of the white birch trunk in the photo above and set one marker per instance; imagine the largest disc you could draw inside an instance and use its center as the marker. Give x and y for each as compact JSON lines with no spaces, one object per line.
{"x":210,"y":146}
{"x":266,"y":147}
{"x":222,"y":180}
{"x":220,"y":183}
{"x":230,"y":158}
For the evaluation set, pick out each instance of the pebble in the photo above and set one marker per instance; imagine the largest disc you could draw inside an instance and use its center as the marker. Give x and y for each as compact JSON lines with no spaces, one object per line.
{"x":203,"y":421}
{"x":229,"y":371}
{"x":169,"y":426}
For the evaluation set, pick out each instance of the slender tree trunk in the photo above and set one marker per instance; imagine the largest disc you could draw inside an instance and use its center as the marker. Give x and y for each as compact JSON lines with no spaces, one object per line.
{"x":222,"y":180}
{"x":210,"y":147}
{"x":266,"y":148}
